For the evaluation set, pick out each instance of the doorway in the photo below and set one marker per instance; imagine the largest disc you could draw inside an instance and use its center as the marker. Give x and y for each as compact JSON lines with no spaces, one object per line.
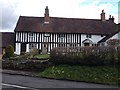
{"x":45,"y":48}
{"x":86,"y":44}
{"x":23,"y":47}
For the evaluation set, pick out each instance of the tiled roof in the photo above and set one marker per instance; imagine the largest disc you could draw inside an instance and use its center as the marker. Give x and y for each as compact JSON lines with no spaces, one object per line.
{"x":117,"y":30}
{"x":7,"y":39}
{"x":65,"y":25}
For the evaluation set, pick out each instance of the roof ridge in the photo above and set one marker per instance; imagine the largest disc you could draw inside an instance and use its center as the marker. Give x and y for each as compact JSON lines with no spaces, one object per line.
{"x":31,"y":17}
{"x":63,"y":18}
{"x":74,"y":18}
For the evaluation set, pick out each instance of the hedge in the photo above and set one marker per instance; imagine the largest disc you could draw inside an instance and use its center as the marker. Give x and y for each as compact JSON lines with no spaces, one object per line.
{"x":107,"y":55}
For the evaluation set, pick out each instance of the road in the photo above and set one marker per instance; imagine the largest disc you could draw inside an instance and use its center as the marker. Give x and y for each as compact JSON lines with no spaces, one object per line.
{"x":35,"y":83}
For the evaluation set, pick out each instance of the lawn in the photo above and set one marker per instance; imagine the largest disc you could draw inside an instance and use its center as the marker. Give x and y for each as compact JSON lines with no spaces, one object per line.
{"x":98,"y":74}
{"x":42,"y":56}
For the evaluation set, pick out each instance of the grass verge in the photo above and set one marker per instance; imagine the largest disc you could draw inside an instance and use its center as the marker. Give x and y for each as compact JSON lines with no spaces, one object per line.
{"x":98,"y":74}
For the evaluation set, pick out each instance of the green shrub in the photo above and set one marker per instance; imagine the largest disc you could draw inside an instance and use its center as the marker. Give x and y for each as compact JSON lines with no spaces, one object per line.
{"x":34,"y":51}
{"x":9,"y":52}
{"x":113,"y":42}
{"x":40,"y":51}
{"x":22,"y":53}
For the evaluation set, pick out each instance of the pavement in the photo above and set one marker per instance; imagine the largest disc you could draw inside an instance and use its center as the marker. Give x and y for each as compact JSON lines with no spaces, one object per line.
{"x":31,"y":74}
{"x":33,"y":83}
{"x":18,"y":72}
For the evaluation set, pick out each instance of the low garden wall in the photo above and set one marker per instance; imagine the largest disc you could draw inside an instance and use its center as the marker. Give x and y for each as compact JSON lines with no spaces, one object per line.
{"x":28,"y":65}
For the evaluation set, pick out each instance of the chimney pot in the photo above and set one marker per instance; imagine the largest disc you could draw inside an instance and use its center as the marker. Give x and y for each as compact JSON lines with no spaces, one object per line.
{"x":103,"y":11}
{"x":112,"y":19}
{"x":103,"y":15}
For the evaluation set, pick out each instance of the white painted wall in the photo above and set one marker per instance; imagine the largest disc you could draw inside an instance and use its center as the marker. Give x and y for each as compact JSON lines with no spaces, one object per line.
{"x":116,"y":36}
{"x":27,"y":47}
{"x":18,"y":48}
{"x":94,"y":38}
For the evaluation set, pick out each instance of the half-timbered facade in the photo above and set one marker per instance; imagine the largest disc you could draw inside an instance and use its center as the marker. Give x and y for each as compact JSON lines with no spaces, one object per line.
{"x":46,"y":33}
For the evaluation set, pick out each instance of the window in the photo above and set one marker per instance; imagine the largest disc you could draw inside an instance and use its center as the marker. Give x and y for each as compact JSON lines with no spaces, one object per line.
{"x":61,"y":39}
{"x":68,"y":39}
{"x":61,"y":45}
{"x":89,"y":36}
{"x":32,"y":45}
{"x":46,"y":39}
{"x":61,"y":35}
{"x":31,"y":36}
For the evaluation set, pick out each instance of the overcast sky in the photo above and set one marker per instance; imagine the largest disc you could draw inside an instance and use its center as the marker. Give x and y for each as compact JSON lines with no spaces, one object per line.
{"x":89,"y":9}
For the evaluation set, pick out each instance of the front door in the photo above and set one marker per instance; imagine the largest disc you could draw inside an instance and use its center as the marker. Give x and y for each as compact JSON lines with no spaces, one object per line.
{"x":44,"y":48}
{"x":23,"y":47}
{"x":86,"y":44}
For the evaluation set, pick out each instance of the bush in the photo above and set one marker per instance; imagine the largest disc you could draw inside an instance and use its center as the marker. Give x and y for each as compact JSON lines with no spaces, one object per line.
{"x":40,"y":51}
{"x":9,"y":52}
{"x":113,"y":42}
{"x":34,"y":51}
{"x":87,"y":56}
{"x":22,"y":53}
{"x":23,"y":56}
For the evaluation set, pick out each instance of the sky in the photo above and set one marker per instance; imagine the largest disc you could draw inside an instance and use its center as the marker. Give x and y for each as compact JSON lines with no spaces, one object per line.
{"x":10,"y":10}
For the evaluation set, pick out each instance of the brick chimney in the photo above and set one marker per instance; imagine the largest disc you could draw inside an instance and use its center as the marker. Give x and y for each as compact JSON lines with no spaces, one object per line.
{"x":103,"y":15}
{"x":111,"y":18}
{"x":46,"y":15}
